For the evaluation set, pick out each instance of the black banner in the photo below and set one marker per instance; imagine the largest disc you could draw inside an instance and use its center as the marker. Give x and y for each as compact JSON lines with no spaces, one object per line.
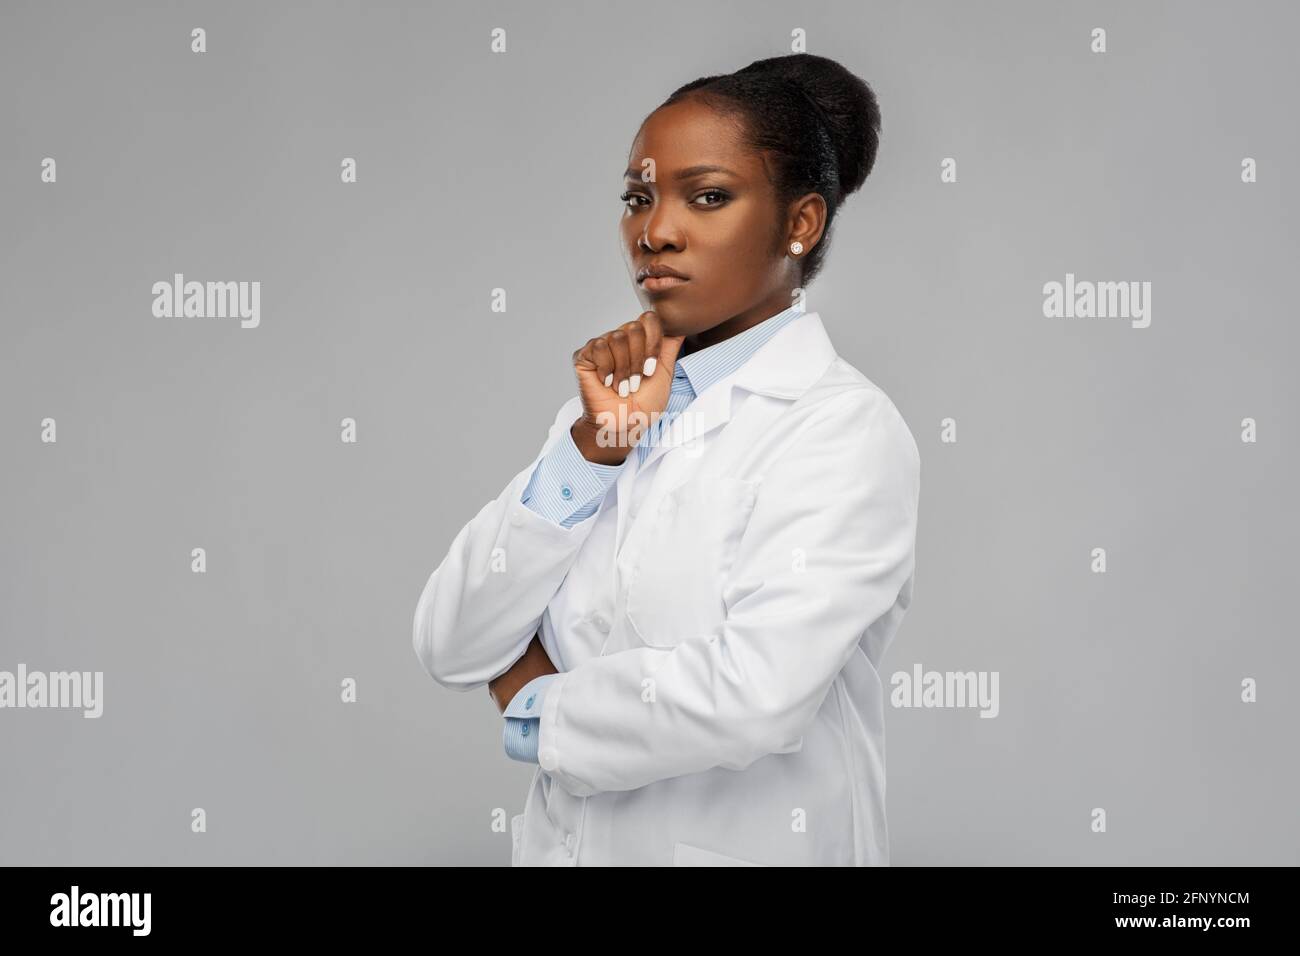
{"x":1164,"y":906}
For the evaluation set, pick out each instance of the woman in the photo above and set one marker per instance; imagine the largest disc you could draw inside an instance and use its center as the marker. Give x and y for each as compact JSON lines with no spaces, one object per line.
{"x":681,"y":604}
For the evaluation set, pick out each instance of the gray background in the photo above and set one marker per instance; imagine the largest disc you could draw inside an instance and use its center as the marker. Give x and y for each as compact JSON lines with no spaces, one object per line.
{"x":479,"y":171}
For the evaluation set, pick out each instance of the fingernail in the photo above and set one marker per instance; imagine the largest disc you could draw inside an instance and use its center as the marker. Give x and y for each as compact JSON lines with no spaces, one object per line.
{"x":635,"y":382}
{"x":622,"y":389}
{"x":649,"y":368}
{"x":609,"y":379}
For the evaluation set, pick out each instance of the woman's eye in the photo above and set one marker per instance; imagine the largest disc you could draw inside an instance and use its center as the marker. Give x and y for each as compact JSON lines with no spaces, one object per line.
{"x":718,"y":194}
{"x":722,"y":197}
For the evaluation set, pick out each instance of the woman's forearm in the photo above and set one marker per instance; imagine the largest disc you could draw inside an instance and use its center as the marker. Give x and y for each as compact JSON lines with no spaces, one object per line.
{"x":534,"y":663}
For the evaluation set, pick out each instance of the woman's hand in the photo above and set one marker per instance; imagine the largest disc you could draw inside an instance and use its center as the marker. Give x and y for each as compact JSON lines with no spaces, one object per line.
{"x":624,"y":377}
{"x":534,"y":663}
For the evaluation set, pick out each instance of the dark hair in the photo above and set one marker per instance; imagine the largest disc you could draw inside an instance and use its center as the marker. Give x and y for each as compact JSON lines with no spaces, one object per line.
{"x":819,"y":122}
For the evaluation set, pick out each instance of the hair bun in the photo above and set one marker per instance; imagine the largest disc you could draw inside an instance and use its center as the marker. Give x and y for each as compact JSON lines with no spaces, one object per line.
{"x":844,"y":104}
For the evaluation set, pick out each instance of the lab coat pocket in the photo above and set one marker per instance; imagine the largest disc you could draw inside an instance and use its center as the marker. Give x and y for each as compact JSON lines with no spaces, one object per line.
{"x":684,"y":854}
{"x":675,"y":586}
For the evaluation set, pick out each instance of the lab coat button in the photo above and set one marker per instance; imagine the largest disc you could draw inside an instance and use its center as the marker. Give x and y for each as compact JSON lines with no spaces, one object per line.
{"x":547,"y":758}
{"x":568,"y":843}
{"x":516,"y":518}
{"x":601,"y":623}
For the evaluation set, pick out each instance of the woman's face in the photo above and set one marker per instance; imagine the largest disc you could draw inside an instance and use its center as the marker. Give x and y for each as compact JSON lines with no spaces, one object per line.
{"x":719,"y":227}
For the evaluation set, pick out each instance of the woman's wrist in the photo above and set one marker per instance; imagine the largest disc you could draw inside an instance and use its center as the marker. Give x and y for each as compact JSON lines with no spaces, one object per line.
{"x":585,"y":436}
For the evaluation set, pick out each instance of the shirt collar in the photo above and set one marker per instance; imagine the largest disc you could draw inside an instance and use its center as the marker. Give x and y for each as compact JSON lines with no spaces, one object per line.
{"x":701,"y":369}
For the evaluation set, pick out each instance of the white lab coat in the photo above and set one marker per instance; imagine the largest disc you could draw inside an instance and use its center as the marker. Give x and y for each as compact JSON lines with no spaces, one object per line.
{"x":718,"y":625}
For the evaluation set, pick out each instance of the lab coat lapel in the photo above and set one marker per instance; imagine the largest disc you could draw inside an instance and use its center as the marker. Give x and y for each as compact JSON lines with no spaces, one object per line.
{"x":785,"y":366}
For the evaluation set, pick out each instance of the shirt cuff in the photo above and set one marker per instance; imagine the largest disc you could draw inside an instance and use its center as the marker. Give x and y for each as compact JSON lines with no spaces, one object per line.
{"x":565,"y":487}
{"x":523,"y":719}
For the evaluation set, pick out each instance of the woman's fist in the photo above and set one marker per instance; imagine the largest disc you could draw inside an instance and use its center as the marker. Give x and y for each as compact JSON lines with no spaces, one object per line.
{"x":624,"y":377}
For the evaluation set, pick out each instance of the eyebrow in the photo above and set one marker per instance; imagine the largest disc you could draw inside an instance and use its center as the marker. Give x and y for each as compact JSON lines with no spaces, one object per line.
{"x":634,"y":172}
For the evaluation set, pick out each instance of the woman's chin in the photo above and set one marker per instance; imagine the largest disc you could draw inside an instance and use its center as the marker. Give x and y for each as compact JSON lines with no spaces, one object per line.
{"x":670,"y":320}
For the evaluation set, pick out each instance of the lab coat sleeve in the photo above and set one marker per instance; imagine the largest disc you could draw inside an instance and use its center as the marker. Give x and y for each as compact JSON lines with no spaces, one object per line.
{"x":482,"y":605}
{"x":845,"y":493}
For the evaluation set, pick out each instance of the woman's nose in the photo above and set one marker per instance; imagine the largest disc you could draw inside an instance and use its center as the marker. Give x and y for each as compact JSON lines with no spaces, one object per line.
{"x":661,"y":229}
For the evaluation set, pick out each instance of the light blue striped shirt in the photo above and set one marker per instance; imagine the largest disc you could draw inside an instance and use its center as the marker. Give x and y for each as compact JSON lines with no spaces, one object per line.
{"x":567,"y":488}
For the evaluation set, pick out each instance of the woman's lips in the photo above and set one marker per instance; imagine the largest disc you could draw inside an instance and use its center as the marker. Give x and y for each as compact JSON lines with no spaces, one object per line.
{"x":662,"y":283}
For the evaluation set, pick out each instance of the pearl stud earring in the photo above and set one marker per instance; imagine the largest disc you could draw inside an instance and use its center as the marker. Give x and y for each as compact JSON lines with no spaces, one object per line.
{"x":796,"y":247}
